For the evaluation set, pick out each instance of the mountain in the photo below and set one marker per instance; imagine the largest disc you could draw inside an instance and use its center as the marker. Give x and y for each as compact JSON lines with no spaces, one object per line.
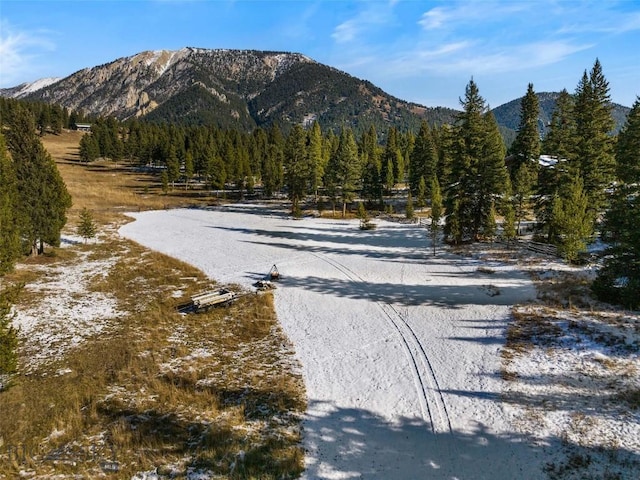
{"x":25,"y":89}
{"x":508,"y":114}
{"x":232,"y":88}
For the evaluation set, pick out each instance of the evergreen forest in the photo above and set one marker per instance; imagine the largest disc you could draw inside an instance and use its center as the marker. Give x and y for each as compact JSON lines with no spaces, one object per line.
{"x":588,"y":187}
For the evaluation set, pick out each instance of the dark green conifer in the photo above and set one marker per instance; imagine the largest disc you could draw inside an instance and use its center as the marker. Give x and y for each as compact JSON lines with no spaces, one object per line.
{"x":86,"y":226}
{"x":9,"y":222}
{"x":594,"y":154}
{"x":478,"y":171}
{"x":618,"y":280}
{"x":423,"y":160}
{"x":43,"y":199}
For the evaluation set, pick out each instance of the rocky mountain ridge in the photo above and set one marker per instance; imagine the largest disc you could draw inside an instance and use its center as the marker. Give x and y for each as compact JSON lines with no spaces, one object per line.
{"x":241,"y":88}
{"x":249,"y":88}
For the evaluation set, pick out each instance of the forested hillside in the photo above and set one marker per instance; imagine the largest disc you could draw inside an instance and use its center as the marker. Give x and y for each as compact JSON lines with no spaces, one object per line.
{"x":466,"y":160}
{"x":508,"y":114}
{"x":239,"y":89}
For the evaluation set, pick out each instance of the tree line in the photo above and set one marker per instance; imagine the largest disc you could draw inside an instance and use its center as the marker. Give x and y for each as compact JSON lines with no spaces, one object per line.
{"x":33,"y":205}
{"x":50,"y":118}
{"x":571,"y":196}
{"x":33,"y":197}
{"x":466,"y":164}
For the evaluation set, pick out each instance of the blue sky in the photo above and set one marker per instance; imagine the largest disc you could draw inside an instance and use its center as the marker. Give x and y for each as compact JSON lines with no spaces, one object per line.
{"x":421,"y":51}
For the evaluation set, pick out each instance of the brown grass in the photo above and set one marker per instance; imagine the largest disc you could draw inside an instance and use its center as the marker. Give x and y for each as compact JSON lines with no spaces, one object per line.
{"x":108,"y":189}
{"x":216,"y":391}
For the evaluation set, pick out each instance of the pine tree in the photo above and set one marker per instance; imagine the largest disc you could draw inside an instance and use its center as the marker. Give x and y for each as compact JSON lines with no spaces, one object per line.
{"x":89,"y":148}
{"x":316,"y":159}
{"x":297,"y":168}
{"x":372,"y":186}
{"x":44,"y":119}
{"x":390,"y":180}
{"x":43,"y":199}
{"x":272,"y":169}
{"x":489,"y":231}
{"x":173,"y":166}
{"x":422,"y":193}
{"x":526,"y":146}
{"x":628,"y":147}
{"x":594,"y":148}
{"x":188,"y":168}
{"x":618,"y":280}
{"x":526,"y":152}
{"x":344,"y":168}
{"x":362,"y":212}
{"x":10,"y":239}
{"x":164,"y":182}
{"x":572,"y":223}
{"x":390,"y":159}
{"x":560,"y":144}
{"x":86,"y":226}
{"x":509,"y":231}
{"x":522,"y":188}
{"x":436,"y":211}
{"x":409,"y":210}
{"x":478,"y":172}
{"x":423,"y":159}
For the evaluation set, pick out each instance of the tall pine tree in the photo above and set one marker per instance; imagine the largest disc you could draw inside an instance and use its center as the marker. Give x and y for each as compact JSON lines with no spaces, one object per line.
{"x":478,"y":171}
{"x":43,"y":199}
{"x":594,"y":144}
{"x":560,"y":145}
{"x":9,"y":239}
{"x":571,"y":222}
{"x":297,"y":168}
{"x":372,"y":184}
{"x":344,"y":169}
{"x":525,"y":153}
{"x":619,"y":279}
{"x":423,"y":160}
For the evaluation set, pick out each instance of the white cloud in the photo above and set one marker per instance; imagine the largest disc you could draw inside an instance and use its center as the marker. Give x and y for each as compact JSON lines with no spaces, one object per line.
{"x":19,"y":52}
{"x":345,"y":32}
{"x":603,"y":21}
{"x":434,"y":18}
{"x":371,"y":18}
{"x":468,"y":58}
{"x":470,"y":12}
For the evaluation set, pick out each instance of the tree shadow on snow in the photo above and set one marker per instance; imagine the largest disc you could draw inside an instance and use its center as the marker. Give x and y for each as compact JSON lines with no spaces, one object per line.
{"x":355,"y":443}
{"x":404,"y":241}
{"x":448,"y":296}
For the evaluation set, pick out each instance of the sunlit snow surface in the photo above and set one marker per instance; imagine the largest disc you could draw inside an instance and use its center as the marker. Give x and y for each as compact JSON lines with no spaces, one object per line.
{"x":400,"y":349}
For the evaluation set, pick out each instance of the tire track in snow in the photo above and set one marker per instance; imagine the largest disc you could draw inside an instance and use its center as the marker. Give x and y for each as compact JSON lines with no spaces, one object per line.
{"x":434,"y":409}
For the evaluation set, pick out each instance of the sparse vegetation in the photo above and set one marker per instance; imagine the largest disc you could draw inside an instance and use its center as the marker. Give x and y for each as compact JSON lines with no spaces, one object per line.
{"x":8,"y":338}
{"x":86,"y":226}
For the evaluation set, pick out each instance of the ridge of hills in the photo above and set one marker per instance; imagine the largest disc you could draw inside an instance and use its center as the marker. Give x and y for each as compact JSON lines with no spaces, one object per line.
{"x":230,"y":88}
{"x":250,"y":88}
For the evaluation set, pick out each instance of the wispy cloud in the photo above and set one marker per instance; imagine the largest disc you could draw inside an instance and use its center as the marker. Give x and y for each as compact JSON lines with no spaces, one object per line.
{"x":372,"y":17}
{"x":464,"y":12}
{"x":605,"y":21}
{"x":467,"y":57}
{"x":19,"y":51}
{"x":470,"y":37}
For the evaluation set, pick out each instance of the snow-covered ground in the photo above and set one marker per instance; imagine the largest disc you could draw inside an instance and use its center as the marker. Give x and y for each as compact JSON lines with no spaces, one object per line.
{"x":400,"y":349}
{"x":66,"y":313}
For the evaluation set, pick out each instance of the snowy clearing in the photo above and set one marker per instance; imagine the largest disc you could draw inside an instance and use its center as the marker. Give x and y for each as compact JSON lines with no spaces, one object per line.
{"x":401,"y":350}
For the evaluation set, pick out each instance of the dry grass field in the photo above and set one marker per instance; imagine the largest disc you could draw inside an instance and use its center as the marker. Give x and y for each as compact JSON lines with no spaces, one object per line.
{"x":138,"y":387}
